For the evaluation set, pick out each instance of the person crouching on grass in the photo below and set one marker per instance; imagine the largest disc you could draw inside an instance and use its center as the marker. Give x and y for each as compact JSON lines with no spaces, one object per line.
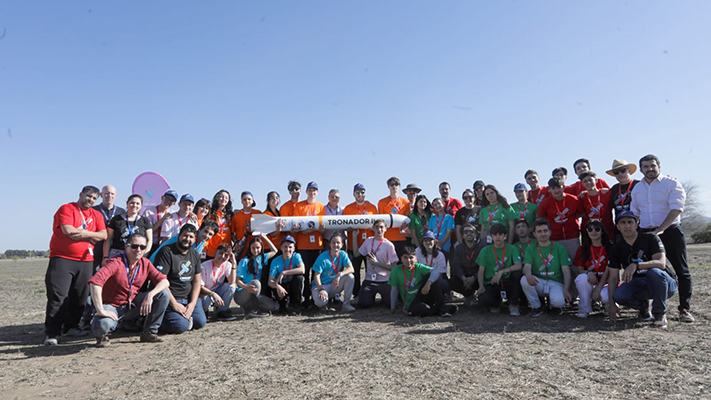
{"x":419,"y":288}
{"x":287,"y":270}
{"x":499,"y":273}
{"x":249,"y":278}
{"x":333,"y":274}
{"x":218,"y":283}
{"x":592,"y":260}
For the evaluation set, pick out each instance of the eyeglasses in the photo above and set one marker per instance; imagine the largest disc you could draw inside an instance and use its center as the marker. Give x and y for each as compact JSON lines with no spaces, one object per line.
{"x":138,"y":246}
{"x":468,"y":197}
{"x":620,"y":171}
{"x":593,"y":228}
{"x":468,"y":232}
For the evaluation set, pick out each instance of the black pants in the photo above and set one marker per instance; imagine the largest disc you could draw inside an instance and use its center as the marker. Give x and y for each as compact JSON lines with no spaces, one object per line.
{"x":309,"y":257}
{"x":293,"y":292}
{"x":357,"y":260}
{"x":432,"y":303}
{"x":492,"y":293}
{"x":675,"y":246}
{"x":67,"y":290}
{"x":457,"y":285}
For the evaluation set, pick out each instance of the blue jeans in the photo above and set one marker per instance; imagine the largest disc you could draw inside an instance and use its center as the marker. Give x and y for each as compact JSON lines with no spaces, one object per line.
{"x":102,"y":325}
{"x":656,"y":285}
{"x":225,"y":291}
{"x":174,"y":322}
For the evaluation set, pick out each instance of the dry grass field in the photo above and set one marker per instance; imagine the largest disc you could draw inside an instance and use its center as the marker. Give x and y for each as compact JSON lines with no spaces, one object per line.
{"x":365,"y":355}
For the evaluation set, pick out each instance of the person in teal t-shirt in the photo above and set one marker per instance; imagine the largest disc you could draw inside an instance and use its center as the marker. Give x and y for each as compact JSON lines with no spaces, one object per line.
{"x":499,"y":273}
{"x":287,"y":270}
{"x":249,"y":278}
{"x":417,"y":286}
{"x":546,"y":267}
{"x":333,"y":274}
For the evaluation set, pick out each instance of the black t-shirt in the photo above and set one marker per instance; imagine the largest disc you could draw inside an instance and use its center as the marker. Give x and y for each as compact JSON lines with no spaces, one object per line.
{"x":465,"y":215}
{"x":179,"y":268}
{"x":109,"y":214}
{"x":644,"y":248}
{"x":622,"y":196}
{"x":122,"y":229}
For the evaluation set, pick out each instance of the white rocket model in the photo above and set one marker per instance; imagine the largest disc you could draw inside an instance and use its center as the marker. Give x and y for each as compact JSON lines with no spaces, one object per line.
{"x":267,"y":224}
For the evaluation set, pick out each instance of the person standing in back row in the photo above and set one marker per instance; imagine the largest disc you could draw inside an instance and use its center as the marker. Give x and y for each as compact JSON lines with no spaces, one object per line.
{"x":395,"y":204}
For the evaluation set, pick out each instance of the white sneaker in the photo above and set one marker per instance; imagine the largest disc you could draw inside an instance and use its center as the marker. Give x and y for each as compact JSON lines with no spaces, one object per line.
{"x":50,"y":341}
{"x":190,"y":324}
{"x":514,"y":311}
{"x":347,"y":308}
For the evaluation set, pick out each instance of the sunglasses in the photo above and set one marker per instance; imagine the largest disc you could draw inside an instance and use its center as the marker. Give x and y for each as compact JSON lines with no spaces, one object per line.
{"x":468,"y":232}
{"x":360,"y":192}
{"x":593,"y":229}
{"x":620,"y":171}
{"x":468,"y":197}
{"x":394,"y":184}
{"x":138,"y":246}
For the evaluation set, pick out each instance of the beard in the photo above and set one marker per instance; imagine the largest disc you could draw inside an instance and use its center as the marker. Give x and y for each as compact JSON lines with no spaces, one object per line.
{"x":182,"y":246}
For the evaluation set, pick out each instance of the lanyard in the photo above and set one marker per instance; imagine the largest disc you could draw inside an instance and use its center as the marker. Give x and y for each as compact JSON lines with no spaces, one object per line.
{"x":546,"y":261}
{"x":365,"y":209}
{"x":619,"y":192}
{"x":522,"y":214}
{"x":492,"y":214}
{"x":83,"y":220}
{"x":429,"y":263}
{"x":439,"y":225}
{"x":408,"y":284}
{"x":128,"y":276}
{"x":107,"y":218}
{"x":561,"y":216}
{"x":335,"y":264}
{"x":596,"y":261}
{"x":311,"y":211}
{"x":291,"y":259}
{"x":372,"y":244}
{"x":499,"y":264}
{"x":213,"y":272}
{"x":247,"y":222}
{"x":133,"y":230}
{"x":396,"y":207}
{"x":221,"y":220}
{"x":595,"y":209}
{"x":471,"y":256}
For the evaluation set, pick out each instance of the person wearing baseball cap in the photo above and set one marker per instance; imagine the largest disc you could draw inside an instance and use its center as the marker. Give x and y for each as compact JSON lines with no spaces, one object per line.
{"x":174,"y":221}
{"x":286,"y":277}
{"x":309,"y":241}
{"x":523,"y":208}
{"x":622,"y":190}
{"x":158,"y":214}
{"x":645,"y":276}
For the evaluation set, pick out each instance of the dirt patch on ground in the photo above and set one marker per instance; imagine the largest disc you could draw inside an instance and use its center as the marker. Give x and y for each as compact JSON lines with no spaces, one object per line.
{"x":369,"y":354}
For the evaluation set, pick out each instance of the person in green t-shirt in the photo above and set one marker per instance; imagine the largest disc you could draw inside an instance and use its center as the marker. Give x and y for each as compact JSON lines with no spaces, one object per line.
{"x":499,"y":273}
{"x":417,"y":286}
{"x":546,"y":270}
{"x":522,"y":239}
{"x":524,"y":209}
{"x":495,"y":209}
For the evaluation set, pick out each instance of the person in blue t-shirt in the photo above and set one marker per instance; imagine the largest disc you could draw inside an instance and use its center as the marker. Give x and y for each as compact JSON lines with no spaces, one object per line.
{"x":287,"y":270}
{"x":442,"y":225}
{"x":248,"y":280}
{"x":333,"y":274}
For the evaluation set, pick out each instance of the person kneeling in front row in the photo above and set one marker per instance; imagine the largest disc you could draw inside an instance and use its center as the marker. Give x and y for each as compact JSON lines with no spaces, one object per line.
{"x":333,"y":274}
{"x":419,"y":288}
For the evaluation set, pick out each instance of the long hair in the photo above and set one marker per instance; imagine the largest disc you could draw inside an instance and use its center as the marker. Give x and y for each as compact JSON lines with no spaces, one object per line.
{"x":435,"y":250}
{"x":587,"y":242}
{"x":274,"y":212}
{"x":502,"y":199}
{"x":251,"y":264}
{"x":199,"y":204}
{"x":227,"y":213}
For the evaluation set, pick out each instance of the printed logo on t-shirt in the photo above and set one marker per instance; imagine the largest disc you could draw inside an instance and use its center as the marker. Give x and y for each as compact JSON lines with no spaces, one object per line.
{"x":185,"y":269}
{"x":562,"y":217}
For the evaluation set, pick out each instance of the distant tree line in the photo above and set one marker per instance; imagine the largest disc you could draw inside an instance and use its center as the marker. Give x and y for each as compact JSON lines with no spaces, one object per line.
{"x":17,"y":254}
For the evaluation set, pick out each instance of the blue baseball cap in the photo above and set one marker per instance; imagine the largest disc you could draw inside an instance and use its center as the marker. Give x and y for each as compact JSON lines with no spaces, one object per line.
{"x":428,"y":235}
{"x":312,"y":185}
{"x":171,"y":192}
{"x":520,"y":186}
{"x":626,"y":213}
{"x":358,"y":186}
{"x":288,"y":238}
{"x":188,"y":197}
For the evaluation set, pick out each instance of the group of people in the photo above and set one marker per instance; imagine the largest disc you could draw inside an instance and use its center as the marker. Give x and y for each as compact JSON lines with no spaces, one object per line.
{"x":161,"y":272}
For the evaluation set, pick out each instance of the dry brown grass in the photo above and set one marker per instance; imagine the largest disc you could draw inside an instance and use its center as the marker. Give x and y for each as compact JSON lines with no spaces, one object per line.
{"x":368,"y":354}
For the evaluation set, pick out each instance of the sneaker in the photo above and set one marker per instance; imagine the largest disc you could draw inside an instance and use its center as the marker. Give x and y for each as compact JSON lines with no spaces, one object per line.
{"x":660,"y":321}
{"x":451,"y":310}
{"x":514,"y":311}
{"x":347,"y":308}
{"x":190,"y":324}
{"x":597,"y":305}
{"x":103,"y":341}
{"x":50,"y":341}
{"x":645,"y":315}
{"x":150,"y":337}
{"x":536,"y":312}
{"x":685,"y":316}
{"x":256,"y":314}
{"x":557,"y":311}
{"x":75,"y":332}
{"x":469,"y":301}
{"x":494,"y":310}
{"x":582,"y":314}
{"x":225,"y":316}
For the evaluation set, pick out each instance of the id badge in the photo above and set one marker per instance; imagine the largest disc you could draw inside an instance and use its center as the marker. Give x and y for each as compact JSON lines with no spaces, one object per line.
{"x":365,"y":236}
{"x":91,"y":251}
{"x":312,"y":239}
{"x":373,"y":276}
{"x":489,"y":240}
{"x":503,"y":295}
{"x":203,"y":255}
{"x":546,"y":289}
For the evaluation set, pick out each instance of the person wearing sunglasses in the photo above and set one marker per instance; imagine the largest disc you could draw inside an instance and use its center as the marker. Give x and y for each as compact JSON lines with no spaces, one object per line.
{"x":180,"y":262}
{"x":468,"y":213}
{"x":294,"y":188}
{"x":122,"y":226}
{"x":463,"y":264}
{"x":622,"y":190}
{"x":356,"y":237}
{"x":395,"y":204}
{"x":592,"y":260}
{"x":115,"y":293}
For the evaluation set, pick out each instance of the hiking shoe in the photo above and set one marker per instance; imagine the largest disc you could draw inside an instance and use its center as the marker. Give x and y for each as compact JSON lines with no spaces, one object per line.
{"x":685,"y":316}
{"x":582,"y":314}
{"x":190,"y":324}
{"x":225,"y":316}
{"x":494,"y":310}
{"x":536,"y":312}
{"x":660,"y":321}
{"x":50,"y":341}
{"x":645,"y":315}
{"x":469,"y":301}
{"x":103,"y":341}
{"x":150,"y":337}
{"x":514,"y":311}
{"x":347,"y":308}
{"x":75,"y":332}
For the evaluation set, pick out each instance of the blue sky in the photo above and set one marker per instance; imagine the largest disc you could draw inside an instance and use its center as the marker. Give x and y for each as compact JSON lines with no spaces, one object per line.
{"x":246,"y":95}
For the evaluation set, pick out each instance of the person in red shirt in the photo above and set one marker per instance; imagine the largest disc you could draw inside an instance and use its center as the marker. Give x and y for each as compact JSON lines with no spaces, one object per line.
{"x":537,"y":192}
{"x":76,"y":229}
{"x":596,"y":202}
{"x":562,"y":211}
{"x":309,"y":242}
{"x":395,"y":204}
{"x":115,"y":293}
{"x":451,"y":205}
{"x":581,"y":166}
